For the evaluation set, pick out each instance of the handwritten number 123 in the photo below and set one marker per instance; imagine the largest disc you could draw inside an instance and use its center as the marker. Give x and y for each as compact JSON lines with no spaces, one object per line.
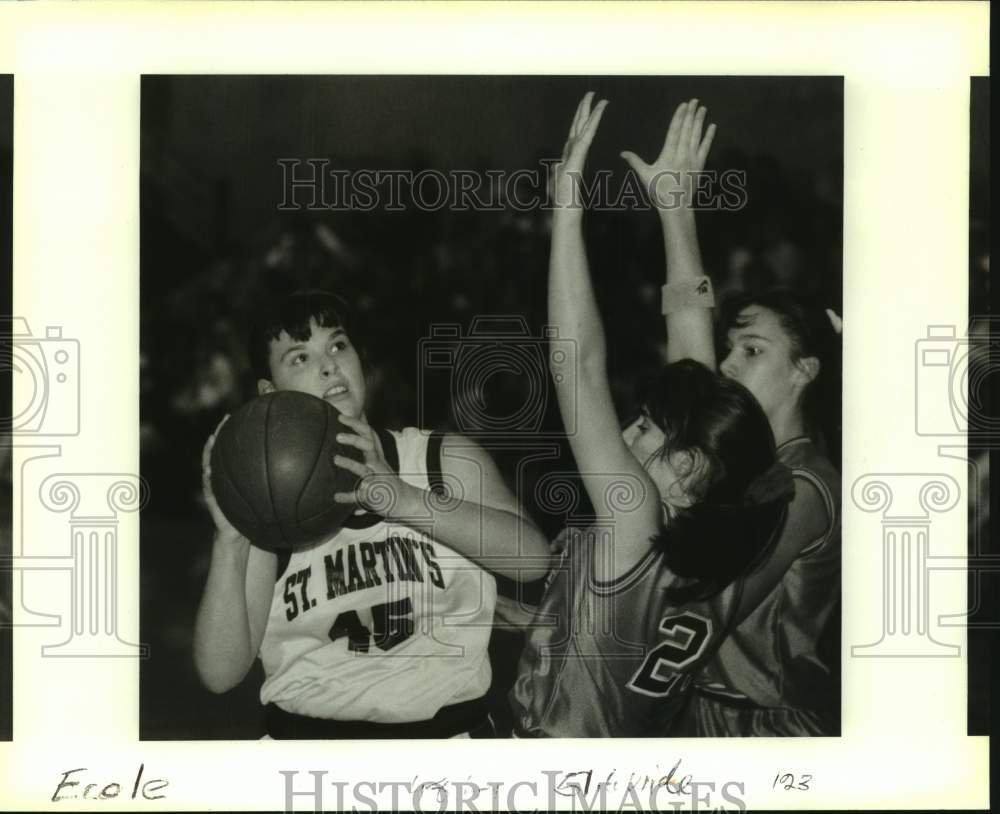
{"x":789,"y":782}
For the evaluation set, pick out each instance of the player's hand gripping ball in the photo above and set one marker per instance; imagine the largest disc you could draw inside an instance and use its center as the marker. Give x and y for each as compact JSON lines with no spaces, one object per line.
{"x":273,"y":474}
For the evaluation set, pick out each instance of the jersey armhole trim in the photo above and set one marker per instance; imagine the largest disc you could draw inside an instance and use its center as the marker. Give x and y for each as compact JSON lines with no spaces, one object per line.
{"x":622,"y":583}
{"x":435,"y":478}
{"x":719,"y":692}
{"x":828,"y":504}
{"x":798,"y":439}
{"x":389,"y":449}
{"x":524,"y":593}
{"x":368,"y":519}
{"x":284,"y":557}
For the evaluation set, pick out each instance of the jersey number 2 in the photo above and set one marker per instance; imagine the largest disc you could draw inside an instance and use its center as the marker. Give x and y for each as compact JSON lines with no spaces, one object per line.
{"x":393,"y":623}
{"x":688,"y":634}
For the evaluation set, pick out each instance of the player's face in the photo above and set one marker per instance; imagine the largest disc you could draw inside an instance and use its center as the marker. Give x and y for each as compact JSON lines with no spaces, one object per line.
{"x":645,"y":441}
{"x":759,"y":356}
{"x":325,"y":365}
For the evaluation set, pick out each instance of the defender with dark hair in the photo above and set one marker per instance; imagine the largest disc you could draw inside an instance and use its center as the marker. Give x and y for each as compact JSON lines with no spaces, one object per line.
{"x":382,"y":629}
{"x":724,"y":532}
{"x":642,"y":599}
{"x":804,"y":337}
{"x":778,"y":671}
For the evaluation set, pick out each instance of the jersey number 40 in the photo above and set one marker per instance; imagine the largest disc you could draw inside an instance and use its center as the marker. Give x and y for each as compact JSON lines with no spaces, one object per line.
{"x":662,"y":671}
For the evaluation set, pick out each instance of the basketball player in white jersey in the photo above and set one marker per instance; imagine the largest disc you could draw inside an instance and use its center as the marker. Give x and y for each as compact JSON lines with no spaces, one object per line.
{"x":382,"y":630}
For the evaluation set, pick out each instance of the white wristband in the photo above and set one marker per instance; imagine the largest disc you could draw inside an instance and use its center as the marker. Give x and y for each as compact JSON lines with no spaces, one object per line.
{"x":694,"y":293}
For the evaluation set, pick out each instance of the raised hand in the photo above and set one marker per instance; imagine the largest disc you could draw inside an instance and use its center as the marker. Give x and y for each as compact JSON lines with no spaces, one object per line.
{"x":567,"y":174}
{"x":379,"y":489}
{"x":670,"y":179}
{"x":224,"y":530}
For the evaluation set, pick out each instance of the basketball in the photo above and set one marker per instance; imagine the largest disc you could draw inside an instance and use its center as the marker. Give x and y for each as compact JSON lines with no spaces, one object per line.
{"x":273,"y":473}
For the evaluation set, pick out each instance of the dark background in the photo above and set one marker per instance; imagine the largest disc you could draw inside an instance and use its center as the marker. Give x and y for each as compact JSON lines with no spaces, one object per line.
{"x":982,"y":586}
{"x":213,"y":243}
{"x":6,"y":304}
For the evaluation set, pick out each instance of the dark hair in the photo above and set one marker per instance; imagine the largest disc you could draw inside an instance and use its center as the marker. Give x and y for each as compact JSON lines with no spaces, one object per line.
{"x":724,"y":534}
{"x":292,"y":315}
{"x":808,"y":327}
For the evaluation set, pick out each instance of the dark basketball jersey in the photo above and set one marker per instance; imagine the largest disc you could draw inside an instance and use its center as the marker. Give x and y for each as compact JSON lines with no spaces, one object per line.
{"x":778,"y":672}
{"x":611,"y":659}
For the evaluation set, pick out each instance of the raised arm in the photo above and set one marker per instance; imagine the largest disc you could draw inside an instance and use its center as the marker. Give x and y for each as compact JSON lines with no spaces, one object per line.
{"x":671,"y":182}
{"x":582,"y":390}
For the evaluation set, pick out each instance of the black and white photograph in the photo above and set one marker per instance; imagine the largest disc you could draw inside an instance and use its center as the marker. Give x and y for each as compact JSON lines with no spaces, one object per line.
{"x":491,"y":406}
{"x":7,"y":410}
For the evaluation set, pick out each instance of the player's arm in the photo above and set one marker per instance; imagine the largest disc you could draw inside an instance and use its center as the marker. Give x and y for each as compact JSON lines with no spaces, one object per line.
{"x":582,"y":390}
{"x":486,"y":524}
{"x":233,"y":612}
{"x":477,"y":516}
{"x":670,"y":182}
{"x":807,"y":522}
{"x":236,"y":599}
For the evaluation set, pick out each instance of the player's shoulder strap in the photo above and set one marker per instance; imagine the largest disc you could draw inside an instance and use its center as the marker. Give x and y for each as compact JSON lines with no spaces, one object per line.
{"x":390,"y":451}
{"x":389,"y":448}
{"x":435,"y":479}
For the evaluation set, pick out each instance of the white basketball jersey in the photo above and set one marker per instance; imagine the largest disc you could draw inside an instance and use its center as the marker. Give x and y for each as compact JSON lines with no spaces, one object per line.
{"x":380,"y":622}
